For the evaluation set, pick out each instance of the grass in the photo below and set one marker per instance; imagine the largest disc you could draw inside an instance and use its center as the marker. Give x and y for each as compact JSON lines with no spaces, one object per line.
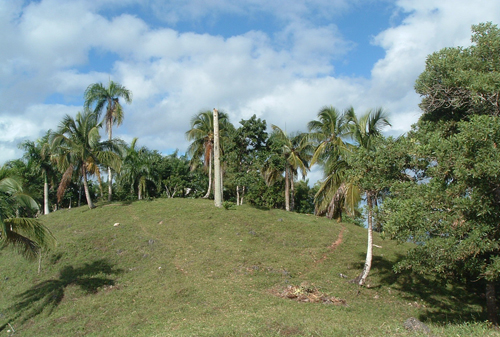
{"x":181,"y":267}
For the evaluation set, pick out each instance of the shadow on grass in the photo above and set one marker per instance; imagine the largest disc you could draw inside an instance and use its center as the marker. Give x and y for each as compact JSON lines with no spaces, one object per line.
{"x":445,"y":301}
{"x":49,"y":294}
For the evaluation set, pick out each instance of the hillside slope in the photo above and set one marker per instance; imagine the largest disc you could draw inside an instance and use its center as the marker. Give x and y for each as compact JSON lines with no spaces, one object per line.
{"x":181,"y":267}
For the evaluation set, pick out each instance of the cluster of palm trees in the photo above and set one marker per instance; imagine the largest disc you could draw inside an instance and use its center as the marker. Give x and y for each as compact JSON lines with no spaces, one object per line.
{"x":332,"y":137}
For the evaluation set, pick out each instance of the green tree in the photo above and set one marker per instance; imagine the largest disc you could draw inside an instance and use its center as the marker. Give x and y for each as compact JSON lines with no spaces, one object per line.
{"x":28,"y":235}
{"x":451,"y":208}
{"x":77,"y":144}
{"x":37,"y":155}
{"x":328,"y":133}
{"x":365,"y":131}
{"x":108,"y":97}
{"x":138,"y":169}
{"x":201,"y":136}
{"x":294,"y":151}
{"x":460,"y":82}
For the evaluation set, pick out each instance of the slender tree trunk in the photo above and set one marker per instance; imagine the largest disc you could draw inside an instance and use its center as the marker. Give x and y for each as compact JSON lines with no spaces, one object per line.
{"x":242,"y":195}
{"x":110,"y":174}
{"x":292,"y":192}
{"x":217,"y":170}
{"x":491,"y":303}
{"x":46,"y":209}
{"x":209,"y":178}
{"x":86,"y":188}
{"x":237,"y":195}
{"x":369,"y":250}
{"x":98,"y":174}
{"x":287,"y":190}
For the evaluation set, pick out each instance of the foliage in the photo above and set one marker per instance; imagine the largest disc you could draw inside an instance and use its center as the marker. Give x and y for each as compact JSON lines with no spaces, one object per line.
{"x":460,"y":82}
{"x":28,"y":235}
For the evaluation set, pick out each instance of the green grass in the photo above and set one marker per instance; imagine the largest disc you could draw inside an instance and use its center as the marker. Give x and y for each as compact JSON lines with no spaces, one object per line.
{"x":181,"y":267}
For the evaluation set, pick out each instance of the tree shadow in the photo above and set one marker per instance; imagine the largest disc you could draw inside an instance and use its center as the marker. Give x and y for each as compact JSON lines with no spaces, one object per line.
{"x":444,"y":300}
{"x":49,"y":294}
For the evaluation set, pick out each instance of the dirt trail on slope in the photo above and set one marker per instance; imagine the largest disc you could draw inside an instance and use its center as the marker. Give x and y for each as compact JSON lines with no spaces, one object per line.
{"x":332,"y":248}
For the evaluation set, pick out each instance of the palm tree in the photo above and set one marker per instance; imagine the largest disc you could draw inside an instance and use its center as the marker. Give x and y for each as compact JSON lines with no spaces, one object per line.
{"x":328,"y":133}
{"x":37,"y":156}
{"x":202,"y":136}
{"x":77,"y":145}
{"x":26,"y":234}
{"x":137,"y":169}
{"x":101,"y":96}
{"x":294,"y":150}
{"x":364,"y":131}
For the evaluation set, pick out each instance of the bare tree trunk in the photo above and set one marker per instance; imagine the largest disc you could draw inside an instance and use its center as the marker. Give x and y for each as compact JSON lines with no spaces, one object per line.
{"x":237,"y":195}
{"x":110,"y":174}
{"x":287,"y":191}
{"x":86,"y":188}
{"x":46,"y":209}
{"x":209,"y":178}
{"x":217,"y":170}
{"x":369,"y":250}
{"x":242,"y":195}
{"x":292,"y":192}
{"x":491,"y":304}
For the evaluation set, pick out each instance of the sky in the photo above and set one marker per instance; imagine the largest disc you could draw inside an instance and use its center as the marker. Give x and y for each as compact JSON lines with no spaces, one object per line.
{"x":281,"y":60}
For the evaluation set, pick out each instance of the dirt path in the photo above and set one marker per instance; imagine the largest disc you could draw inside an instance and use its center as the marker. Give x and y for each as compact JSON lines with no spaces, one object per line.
{"x":333,"y":246}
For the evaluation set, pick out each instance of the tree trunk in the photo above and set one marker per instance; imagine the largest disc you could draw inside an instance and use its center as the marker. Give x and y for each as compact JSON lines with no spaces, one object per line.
{"x":46,"y":209}
{"x":292,"y":192}
{"x":110,"y":174}
{"x":242,"y":195}
{"x":86,"y":188}
{"x":217,"y":170}
{"x":369,"y":250}
{"x":237,"y":195}
{"x":209,"y":177}
{"x":491,"y":304}
{"x":287,"y":191}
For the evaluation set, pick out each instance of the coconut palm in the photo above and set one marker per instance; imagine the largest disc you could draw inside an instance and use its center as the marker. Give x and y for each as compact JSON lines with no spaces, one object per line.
{"x":364,"y":131}
{"x":28,"y":235}
{"x":201,"y":135}
{"x":77,"y":145}
{"x":295,"y":152}
{"x":108,"y":97}
{"x":138,"y":169}
{"x":335,"y":194}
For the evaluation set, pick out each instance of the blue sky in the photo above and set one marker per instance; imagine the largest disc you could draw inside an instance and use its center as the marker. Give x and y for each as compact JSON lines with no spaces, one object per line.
{"x":281,"y":60}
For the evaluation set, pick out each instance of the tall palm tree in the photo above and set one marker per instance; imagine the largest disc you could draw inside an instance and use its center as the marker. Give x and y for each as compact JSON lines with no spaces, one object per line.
{"x":108,"y":97}
{"x":201,"y":135}
{"x":37,"y":155}
{"x":329,"y":133}
{"x":77,"y":145}
{"x":295,"y":152}
{"x":364,"y":131}
{"x":28,"y":235}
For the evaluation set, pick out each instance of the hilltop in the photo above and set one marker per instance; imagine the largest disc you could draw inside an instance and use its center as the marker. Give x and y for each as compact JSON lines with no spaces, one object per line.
{"x":181,"y":267}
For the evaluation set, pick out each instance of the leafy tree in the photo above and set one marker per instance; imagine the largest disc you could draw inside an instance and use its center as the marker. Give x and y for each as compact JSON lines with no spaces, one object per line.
{"x":76,"y":145}
{"x":451,"y":208}
{"x":108,"y":97}
{"x":460,"y":82}
{"x":28,"y":235}
{"x":245,"y":153}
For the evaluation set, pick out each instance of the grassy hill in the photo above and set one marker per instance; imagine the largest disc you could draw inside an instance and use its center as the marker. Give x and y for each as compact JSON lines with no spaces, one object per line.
{"x":181,"y":267}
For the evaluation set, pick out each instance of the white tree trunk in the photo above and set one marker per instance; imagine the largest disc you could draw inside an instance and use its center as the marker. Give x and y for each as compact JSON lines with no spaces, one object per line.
{"x":287,"y":191}
{"x":209,"y":177}
{"x":110,"y":176}
{"x":237,"y":195}
{"x":86,"y":188}
{"x":46,"y":209}
{"x":217,"y":170}
{"x":369,"y":250}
